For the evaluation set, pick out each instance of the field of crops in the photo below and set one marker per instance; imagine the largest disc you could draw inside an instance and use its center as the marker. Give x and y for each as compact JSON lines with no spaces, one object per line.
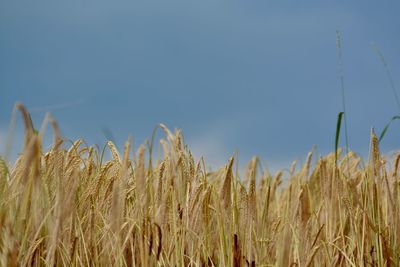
{"x":68,"y":206}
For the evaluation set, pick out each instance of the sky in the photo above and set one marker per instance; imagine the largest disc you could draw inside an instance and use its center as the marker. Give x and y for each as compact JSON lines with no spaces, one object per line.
{"x":260,"y":77}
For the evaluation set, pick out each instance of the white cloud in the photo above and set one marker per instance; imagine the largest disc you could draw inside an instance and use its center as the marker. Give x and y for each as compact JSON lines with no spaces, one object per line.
{"x":217,"y":144}
{"x":216,"y":154}
{"x":58,"y":106}
{"x":212,"y":148}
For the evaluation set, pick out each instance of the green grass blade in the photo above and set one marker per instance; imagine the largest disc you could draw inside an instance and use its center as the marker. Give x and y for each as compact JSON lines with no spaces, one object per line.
{"x":389,"y":75}
{"x":387,"y":127}
{"x":338,"y":126}
{"x":340,"y":65}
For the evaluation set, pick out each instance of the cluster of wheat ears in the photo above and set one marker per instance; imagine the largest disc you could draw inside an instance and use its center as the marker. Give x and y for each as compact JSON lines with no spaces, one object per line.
{"x":66,"y":207}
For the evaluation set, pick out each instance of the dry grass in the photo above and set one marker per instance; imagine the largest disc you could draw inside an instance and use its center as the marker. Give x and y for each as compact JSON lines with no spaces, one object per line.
{"x":65,"y":207}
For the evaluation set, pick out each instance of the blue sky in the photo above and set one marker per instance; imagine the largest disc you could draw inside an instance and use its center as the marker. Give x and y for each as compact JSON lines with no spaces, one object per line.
{"x":257,"y":76}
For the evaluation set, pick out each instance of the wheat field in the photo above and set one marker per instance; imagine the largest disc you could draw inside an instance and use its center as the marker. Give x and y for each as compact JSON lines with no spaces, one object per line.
{"x":67,"y":206}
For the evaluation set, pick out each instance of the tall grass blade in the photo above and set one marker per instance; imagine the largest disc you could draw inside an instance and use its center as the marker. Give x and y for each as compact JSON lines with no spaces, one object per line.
{"x":337,"y":135}
{"x":340,"y":63}
{"x":389,"y":75}
{"x":387,"y":127}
